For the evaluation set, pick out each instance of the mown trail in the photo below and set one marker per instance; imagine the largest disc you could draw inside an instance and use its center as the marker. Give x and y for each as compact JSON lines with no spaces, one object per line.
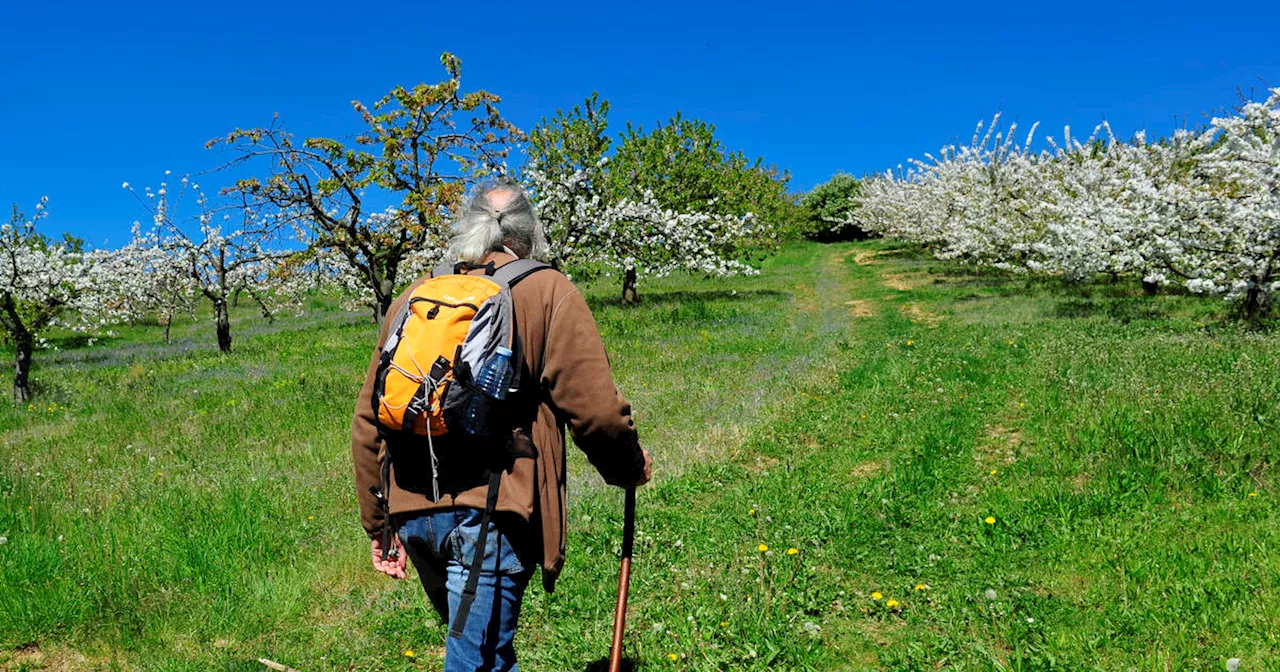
{"x":858,"y":410}
{"x":986,"y":473}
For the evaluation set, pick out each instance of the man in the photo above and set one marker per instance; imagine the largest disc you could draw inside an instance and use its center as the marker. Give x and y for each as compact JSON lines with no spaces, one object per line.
{"x":568,"y":383}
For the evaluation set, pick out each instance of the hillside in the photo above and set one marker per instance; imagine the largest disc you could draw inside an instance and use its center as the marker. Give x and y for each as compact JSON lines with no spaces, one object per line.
{"x":974,"y":471}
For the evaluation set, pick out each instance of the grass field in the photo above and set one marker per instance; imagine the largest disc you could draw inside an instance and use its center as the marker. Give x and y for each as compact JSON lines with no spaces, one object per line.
{"x":866,"y":459}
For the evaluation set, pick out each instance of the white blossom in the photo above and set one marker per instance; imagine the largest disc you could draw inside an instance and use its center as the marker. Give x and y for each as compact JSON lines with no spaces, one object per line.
{"x":1200,"y":208}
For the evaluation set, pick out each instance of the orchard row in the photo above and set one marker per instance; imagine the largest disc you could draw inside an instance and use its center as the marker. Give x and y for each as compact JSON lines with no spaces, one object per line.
{"x":297,"y":215}
{"x":1200,"y":209}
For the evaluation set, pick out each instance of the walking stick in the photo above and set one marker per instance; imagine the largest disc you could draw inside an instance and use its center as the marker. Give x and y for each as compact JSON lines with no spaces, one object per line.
{"x":624,"y":580}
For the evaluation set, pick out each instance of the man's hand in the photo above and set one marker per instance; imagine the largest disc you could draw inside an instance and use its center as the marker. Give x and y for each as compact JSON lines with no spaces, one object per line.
{"x":394,"y":565}
{"x":648,"y":470}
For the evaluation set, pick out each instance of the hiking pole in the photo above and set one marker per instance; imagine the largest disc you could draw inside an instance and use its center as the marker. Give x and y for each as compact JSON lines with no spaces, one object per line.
{"x":624,"y":580}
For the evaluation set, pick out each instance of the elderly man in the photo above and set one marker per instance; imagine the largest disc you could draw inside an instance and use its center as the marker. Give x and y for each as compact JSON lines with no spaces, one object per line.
{"x":568,"y":383}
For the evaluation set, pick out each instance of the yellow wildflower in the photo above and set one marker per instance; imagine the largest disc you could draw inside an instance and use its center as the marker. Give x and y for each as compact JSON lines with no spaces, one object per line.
{"x":792,"y":551}
{"x":409,"y":653}
{"x":891,"y":603}
{"x":910,"y":343}
{"x":921,"y":586}
{"x":990,"y":520}
{"x":762,"y":548}
{"x":311,"y":517}
{"x":673,"y":656}
{"x":993,"y":472}
{"x":1253,"y":494}
{"x":724,"y":624}
{"x":752,"y":512}
{"x":877,"y":596}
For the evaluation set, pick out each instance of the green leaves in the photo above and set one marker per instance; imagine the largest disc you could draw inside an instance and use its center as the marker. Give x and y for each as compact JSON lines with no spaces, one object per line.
{"x":829,"y":209}
{"x":423,"y":145}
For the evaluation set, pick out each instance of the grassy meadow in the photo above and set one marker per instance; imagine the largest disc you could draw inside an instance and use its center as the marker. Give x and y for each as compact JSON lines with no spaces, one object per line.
{"x":865,"y":459}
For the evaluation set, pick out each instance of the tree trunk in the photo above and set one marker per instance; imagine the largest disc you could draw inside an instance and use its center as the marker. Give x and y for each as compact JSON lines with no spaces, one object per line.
{"x":224,"y":325}
{"x":22,"y":367}
{"x":386,"y":293}
{"x":168,"y":322}
{"x":629,"y":294}
{"x":1253,"y":303}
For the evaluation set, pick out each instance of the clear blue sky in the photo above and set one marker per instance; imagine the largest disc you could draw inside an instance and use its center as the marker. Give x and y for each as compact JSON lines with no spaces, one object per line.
{"x":97,"y":93}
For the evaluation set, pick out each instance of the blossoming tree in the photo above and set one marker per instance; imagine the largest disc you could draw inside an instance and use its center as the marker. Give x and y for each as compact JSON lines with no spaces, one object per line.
{"x":421,"y":149}
{"x":217,"y":262}
{"x":43,"y":283}
{"x":596,"y":225}
{"x":1198,"y":208}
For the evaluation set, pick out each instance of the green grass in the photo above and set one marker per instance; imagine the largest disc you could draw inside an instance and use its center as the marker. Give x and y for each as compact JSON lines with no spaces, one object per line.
{"x":168,"y":508}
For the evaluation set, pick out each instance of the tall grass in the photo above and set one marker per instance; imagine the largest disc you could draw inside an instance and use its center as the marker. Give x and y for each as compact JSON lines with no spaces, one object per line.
{"x":168,"y":508}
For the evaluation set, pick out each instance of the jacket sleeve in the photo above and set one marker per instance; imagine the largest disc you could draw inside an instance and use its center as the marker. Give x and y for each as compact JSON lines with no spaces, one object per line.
{"x":577,"y":376}
{"x":365,"y":446}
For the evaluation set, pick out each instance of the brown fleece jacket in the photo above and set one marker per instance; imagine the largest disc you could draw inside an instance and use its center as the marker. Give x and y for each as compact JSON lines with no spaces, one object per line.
{"x":568,"y":372}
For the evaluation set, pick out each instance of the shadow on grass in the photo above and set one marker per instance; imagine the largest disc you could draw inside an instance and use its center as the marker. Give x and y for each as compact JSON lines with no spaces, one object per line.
{"x":115,"y":350}
{"x":1121,"y":310}
{"x":682,"y":297}
{"x":602,"y":665}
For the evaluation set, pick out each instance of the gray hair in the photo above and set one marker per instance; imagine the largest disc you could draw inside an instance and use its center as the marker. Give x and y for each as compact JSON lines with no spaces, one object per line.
{"x":498,"y":214}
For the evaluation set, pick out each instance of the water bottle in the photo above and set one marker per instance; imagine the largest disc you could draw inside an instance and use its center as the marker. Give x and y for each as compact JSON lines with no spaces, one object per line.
{"x":493,"y":379}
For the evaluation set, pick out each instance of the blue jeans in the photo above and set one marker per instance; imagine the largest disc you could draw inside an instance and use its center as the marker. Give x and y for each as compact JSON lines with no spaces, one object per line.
{"x":442,"y":546}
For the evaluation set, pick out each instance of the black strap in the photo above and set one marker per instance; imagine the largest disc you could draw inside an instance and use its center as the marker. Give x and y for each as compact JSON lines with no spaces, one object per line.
{"x":416,"y":407}
{"x":473,"y":575}
{"x":384,"y":500}
{"x":464,"y":266}
{"x":516,"y":270}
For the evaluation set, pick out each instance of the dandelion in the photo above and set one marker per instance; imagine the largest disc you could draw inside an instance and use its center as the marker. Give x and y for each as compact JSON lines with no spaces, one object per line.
{"x":921,"y":586}
{"x":724,"y":624}
{"x":877,"y":596}
{"x":792,"y":551}
{"x":673,"y":657}
{"x":910,"y":343}
{"x":891,"y":603}
{"x":311,"y":517}
{"x":752,"y":512}
{"x":990,"y":593}
{"x":990,"y":520}
{"x":1253,"y":494}
{"x":409,"y":653}
{"x":762,"y":548}
{"x":1022,"y":404}
{"x":4,"y":540}
{"x":993,"y":472}
{"x":124,"y":185}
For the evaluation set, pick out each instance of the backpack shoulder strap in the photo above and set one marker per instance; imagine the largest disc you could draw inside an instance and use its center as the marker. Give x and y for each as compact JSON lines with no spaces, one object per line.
{"x":513,"y":272}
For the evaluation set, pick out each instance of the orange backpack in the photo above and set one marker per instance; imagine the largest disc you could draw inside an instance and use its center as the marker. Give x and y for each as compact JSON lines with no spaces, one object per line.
{"x":450,"y":359}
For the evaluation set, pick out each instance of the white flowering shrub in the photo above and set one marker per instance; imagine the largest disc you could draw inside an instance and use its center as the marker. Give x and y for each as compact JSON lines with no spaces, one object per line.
{"x":1200,"y":209}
